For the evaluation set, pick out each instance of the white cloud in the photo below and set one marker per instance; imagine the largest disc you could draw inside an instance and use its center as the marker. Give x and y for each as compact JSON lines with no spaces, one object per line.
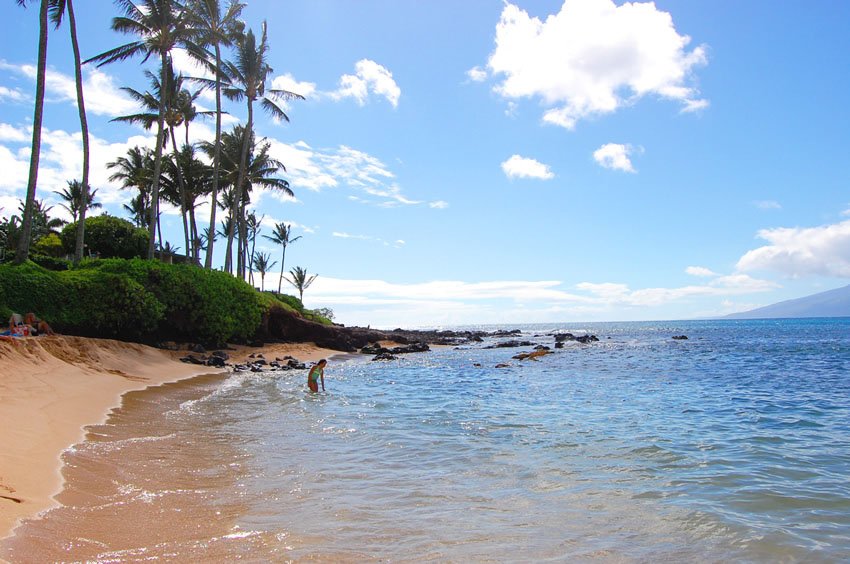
{"x":61,"y":160}
{"x":592,"y":58}
{"x":614,"y":156}
{"x":12,"y":94}
{"x":477,"y":74}
{"x":620,"y":295}
{"x":318,"y":169}
{"x":11,"y":133}
{"x":803,"y":251}
{"x":700,"y":271}
{"x":102,"y":96}
{"x":288,"y":82}
{"x":768,"y":205}
{"x":398,"y":243}
{"x":369,"y":77}
{"x":438,"y":205}
{"x":451,"y":301}
{"x":523,"y":167}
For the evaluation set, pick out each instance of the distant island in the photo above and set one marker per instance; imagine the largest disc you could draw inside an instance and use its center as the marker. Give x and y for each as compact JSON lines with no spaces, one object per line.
{"x":833,"y":303}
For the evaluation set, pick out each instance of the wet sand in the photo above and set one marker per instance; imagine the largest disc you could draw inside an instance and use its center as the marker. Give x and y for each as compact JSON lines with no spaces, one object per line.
{"x":53,"y":387}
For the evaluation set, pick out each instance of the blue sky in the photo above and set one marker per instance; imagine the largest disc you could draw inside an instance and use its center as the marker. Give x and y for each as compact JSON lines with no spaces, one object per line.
{"x":505,"y":162}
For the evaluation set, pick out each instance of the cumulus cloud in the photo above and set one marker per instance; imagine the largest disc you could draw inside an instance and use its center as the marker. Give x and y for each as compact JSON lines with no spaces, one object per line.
{"x":12,"y":94}
{"x":802,"y":251}
{"x":614,"y":156}
{"x":523,"y":167}
{"x":102,"y":96}
{"x":287,"y":82}
{"x":700,"y":271}
{"x":593,"y":57}
{"x":369,"y":78}
{"x":477,"y":74}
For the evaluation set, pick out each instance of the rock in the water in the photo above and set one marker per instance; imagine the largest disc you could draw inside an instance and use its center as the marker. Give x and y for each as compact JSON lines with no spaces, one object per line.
{"x":384,"y":356}
{"x":680,"y":337}
{"x":510,"y":345}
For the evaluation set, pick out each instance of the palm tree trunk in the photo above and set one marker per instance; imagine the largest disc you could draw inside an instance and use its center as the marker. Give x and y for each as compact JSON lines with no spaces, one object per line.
{"x":84,"y":131}
{"x":251,"y":258}
{"x":216,"y":155}
{"x":282,"y":262}
{"x":243,"y":164}
{"x":196,"y":241}
{"x":23,"y":251}
{"x":157,"y":167}
{"x":182,"y":187}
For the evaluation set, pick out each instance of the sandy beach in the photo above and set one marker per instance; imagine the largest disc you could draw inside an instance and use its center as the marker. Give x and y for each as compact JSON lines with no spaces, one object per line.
{"x":53,"y":387}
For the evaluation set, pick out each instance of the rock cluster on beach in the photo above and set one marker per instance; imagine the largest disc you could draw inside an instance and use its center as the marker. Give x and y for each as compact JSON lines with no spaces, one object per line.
{"x":255,"y":362}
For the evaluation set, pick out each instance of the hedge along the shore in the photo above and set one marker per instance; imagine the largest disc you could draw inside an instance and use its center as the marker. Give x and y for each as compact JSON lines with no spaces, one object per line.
{"x":137,"y":300}
{"x":200,"y":305}
{"x":86,"y":303}
{"x":109,"y":305}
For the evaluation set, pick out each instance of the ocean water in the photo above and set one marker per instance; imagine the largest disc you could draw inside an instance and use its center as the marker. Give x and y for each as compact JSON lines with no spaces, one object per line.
{"x":733,"y":445}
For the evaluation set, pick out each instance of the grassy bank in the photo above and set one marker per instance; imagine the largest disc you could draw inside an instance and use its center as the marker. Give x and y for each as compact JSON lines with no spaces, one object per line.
{"x":143,"y":301}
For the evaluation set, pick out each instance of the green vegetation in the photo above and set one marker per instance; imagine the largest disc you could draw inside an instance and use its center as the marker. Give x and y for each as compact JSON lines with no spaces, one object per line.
{"x":139,"y":300}
{"x":108,"y":237}
{"x":142,"y":300}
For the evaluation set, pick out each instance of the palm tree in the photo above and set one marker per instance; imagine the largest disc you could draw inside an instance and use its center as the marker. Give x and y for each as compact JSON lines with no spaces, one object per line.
{"x":262,"y":265}
{"x":247,"y":76}
{"x":175,"y":115}
{"x":252,"y":227}
{"x":138,"y":209}
{"x":136,"y":171}
{"x":167,"y":252}
{"x":300,"y":280}
{"x":282,"y":235}
{"x":74,"y":195}
{"x":161,"y":26}
{"x":22,"y":252}
{"x":214,"y":28}
{"x":42,"y":223}
{"x":260,"y":170}
{"x":57,"y":9}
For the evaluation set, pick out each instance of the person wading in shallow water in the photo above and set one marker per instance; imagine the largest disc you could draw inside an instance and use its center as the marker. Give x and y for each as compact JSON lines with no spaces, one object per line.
{"x":316,"y":373}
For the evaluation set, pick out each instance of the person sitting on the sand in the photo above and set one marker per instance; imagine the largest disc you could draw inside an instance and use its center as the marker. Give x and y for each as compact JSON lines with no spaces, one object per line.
{"x":17,"y":320}
{"x":37,"y":326}
{"x":317,"y":372}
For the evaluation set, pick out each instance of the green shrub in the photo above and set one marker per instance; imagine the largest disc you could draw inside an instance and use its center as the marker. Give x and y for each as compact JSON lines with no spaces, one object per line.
{"x":108,"y":237}
{"x":108,"y":305}
{"x":202,"y":305}
{"x":137,"y":300}
{"x":50,"y":245}
{"x":28,"y":287}
{"x":50,"y":263}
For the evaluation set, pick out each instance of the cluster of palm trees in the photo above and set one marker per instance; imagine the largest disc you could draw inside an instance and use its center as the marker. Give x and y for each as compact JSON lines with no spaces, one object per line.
{"x":172,"y":171}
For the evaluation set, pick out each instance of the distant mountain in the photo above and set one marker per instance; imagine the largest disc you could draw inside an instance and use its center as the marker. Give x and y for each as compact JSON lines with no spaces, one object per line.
{"x":834,"y":303}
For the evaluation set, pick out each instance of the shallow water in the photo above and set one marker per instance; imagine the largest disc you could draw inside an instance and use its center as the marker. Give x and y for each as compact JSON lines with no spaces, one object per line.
{"x":732,"y":445}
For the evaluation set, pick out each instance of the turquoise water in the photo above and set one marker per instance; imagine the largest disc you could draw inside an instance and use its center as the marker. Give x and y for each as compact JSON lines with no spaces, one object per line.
{"x":731,"y":445}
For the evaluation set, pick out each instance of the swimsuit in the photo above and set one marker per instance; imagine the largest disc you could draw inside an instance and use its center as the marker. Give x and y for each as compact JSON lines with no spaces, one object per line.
{"x":313,"y":378}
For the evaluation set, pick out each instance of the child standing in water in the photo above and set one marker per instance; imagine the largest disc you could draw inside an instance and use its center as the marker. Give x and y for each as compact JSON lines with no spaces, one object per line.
{"x":316,"y":373}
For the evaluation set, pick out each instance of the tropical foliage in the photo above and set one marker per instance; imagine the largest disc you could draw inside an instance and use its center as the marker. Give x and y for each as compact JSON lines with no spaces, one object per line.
{"x":300,"y":280}
{"x":227,"y":172}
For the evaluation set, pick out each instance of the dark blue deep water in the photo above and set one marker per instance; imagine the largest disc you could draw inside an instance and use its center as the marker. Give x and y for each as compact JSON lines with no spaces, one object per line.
{"x":731,"y":445}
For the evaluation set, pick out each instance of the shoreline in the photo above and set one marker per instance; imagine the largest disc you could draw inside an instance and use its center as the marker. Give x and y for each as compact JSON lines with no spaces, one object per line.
{"x":53,"y":387}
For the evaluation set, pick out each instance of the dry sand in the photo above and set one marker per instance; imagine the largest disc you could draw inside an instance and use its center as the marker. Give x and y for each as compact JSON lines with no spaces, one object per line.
{"x":52,"y":387}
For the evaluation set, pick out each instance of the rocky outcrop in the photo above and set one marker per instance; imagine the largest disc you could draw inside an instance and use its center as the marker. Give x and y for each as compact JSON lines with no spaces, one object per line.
{"x":289,"y":327}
